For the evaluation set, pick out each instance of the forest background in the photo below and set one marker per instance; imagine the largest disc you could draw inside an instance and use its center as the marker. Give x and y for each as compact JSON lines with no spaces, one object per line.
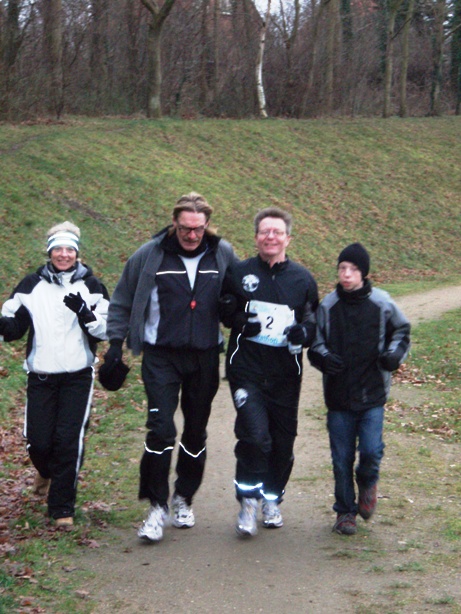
{"x":229,"y":58}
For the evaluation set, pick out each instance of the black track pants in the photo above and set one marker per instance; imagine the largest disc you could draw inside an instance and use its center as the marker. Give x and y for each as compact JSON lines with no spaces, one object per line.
{"x":266,"y":428}
{"x":57,"y":412}
{"x":167,"y":373}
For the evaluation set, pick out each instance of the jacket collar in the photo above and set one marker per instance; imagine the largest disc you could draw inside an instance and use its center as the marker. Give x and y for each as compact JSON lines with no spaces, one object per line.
{"x":356,"y":296}
{"x":274,"y":269}
{"x":49,"y":273}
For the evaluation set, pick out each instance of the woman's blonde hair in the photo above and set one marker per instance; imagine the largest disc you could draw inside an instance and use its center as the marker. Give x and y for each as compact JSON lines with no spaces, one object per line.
{"x":64,"y":227}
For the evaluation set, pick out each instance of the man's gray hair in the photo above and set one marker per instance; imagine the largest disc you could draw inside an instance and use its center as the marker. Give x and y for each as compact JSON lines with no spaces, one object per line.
{"x":274,"y":212}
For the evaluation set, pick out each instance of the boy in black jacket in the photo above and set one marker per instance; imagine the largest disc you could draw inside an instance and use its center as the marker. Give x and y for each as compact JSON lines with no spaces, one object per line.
{"x":361,"y":337}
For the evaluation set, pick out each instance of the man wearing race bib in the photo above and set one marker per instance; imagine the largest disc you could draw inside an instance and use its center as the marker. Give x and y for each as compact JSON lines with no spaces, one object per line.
{"x":269,"y":304}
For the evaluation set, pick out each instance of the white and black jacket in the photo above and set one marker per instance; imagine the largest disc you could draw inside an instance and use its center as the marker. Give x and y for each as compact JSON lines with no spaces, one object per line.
{"x":58,"y":341}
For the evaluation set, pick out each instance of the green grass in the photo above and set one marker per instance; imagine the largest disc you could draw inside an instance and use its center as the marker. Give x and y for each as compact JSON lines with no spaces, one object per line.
{"x":433,"y":369}
{"x":392,"y":185}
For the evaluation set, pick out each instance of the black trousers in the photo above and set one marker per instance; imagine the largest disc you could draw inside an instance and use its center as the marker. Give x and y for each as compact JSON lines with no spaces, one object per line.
{"x":266,"y":428}
{"x":57,"y":412}
{"x":167,"y":373}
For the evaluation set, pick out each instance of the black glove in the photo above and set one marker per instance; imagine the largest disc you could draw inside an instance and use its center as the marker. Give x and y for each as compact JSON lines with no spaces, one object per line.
{"x":332,"y":364}
{"x":390,"y":361}
{"x":227,"y":306}
{"x":296,"y":334}
{"x":247,"y":329}
{"x":76,"y":304}
{"x":114,"y":354}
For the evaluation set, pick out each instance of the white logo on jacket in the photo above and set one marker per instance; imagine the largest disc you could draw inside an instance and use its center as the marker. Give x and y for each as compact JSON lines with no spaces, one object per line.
{"x":240,"y":397}
{"x":250,"y":283}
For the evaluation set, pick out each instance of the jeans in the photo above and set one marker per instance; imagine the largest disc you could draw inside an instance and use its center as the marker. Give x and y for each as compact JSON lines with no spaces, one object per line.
{"x":345,"y":428}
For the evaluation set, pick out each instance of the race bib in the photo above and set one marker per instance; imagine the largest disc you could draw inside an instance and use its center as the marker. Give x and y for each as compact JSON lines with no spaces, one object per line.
{"x":274,"y":320}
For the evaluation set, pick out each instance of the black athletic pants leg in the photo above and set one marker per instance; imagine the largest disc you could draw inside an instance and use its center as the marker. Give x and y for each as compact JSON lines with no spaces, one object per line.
{"x":266,"y":428}
{"x":57,"y":413}
{"x":166,"y":374}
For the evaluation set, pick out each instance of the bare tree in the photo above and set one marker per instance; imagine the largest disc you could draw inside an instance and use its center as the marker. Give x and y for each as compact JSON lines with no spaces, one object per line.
{"x":132,"y":69}
{"x":52,"y":26}
{"x":287,"y":24}
{"x":332,"y":41}
{"x":259,"y":63}
{"x":317,"y":11}
{"x":456,"y":53}
{"x":393,"y":8}
{"x":439,"y":19}
{"x":10,"y":42}
{"x":154,"y":87}
{"x":99,"y":49}
{"x":405,"y":54}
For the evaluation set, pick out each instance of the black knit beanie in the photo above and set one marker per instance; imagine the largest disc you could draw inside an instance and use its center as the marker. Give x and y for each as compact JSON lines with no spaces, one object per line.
{"x":358,"y":255}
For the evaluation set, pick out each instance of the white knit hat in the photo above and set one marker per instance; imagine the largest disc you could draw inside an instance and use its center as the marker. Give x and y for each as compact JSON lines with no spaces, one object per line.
{"x":63,"y":238}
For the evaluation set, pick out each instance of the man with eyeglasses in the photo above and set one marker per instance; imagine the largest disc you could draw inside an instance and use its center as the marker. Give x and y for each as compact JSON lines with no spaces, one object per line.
{"x":275,"y":300}
{"x":166,"y":306}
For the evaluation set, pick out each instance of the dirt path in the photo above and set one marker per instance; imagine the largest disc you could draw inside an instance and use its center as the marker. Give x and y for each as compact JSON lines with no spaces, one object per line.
{"x":301,"y":568}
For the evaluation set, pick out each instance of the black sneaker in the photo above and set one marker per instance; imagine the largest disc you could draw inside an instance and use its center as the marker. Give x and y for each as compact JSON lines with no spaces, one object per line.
{"x":345,"y":524}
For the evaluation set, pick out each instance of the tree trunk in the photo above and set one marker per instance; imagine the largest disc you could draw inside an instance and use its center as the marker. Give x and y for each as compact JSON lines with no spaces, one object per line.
{"x":154,"y":71}
{"x":216,"y":55}
{"x":133,"y":77}
{"x":405,"y":54}
{"x":455,"y":68}
{"x":98,"y":53}
{"x":259,"y":64}
{"x":389,"y":59}
{"x":289,"y":35}
{"x":202,"y":81}
{"x":316,"y":15}
{"x":333,"y":12}
{"x":439,"y":17}
{"x":10,"y":38}
{"x":53,"y":47}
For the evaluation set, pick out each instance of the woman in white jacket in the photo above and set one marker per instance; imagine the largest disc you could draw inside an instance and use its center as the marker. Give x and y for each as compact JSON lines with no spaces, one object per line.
{"x":64,"y":308}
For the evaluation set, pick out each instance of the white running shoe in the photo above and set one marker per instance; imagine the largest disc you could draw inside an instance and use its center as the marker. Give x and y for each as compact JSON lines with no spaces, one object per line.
{"x":152,"y":528}
{"x":183,"y":514}
{"x":246,"y":520}
{"x":272,"y":518}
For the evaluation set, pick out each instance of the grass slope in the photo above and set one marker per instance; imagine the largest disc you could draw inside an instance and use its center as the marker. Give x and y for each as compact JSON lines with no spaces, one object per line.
{"x":394,"y":185}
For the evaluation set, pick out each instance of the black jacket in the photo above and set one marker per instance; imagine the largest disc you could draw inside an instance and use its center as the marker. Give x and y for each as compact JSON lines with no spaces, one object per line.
{"x":186,"y":317}
{"x":366,"y":329}
{"x":286,"y":283}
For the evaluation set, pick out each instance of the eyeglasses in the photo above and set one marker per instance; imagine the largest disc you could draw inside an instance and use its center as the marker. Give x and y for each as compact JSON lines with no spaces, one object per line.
{"x":276,"y":233}
{"x":186,"y":230}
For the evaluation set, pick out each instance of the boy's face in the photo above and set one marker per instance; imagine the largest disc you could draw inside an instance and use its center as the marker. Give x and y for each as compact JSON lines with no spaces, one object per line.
{"x":350,"y":276}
